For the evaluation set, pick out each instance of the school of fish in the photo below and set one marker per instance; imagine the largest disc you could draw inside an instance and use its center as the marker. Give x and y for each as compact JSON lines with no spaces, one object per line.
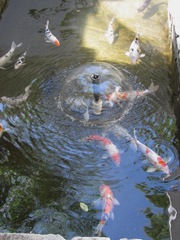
{"x":107,"y":199}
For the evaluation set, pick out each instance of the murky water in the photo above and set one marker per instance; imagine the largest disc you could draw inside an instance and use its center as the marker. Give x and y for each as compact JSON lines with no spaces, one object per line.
{"x":46,"y":167}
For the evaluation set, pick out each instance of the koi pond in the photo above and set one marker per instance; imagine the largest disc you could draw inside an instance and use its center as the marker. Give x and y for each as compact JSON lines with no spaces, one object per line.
{"x":47,"y":165}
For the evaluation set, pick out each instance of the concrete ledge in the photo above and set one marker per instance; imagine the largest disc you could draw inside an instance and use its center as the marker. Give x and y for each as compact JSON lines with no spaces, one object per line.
{"x":24,"y":236}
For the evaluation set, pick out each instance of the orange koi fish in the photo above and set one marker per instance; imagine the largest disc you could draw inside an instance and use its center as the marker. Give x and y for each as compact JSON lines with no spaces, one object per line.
{"x":108,"y":202}
{"x":110,"y":147}
{"x":157,"y":162}
{"x":50,"y":37}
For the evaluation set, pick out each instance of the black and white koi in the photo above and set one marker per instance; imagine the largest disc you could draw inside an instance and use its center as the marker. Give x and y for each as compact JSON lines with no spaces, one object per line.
{"x":21,"y":61}
{"x":5,"y":59}
{"x":134,"y":52}
{"x":49,"y":37}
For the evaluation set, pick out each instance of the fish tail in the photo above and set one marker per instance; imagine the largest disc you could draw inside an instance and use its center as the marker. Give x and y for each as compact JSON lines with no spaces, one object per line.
{"x":153,"y":88}
{"x":28,"y":87}
{"x":47,"y":24}
{"x":99,"y":228}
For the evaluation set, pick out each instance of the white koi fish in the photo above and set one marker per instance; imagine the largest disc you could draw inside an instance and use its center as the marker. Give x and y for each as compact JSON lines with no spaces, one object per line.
{"x":5,"y":59}
{"x":20,"y":61}
{"x":108,"y":202}
{"x":17,"y":101}
{"x":50,"y":37}
{"x":110,"y":35}
{"x":134,"y":50}
{"x":157,"y":162}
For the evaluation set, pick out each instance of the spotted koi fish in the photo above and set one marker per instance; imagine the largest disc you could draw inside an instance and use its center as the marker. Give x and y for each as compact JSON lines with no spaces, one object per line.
{"x":20,"y":61}
{"x":108,"y":202}
{"x":157,"y":162}
{"x":49,"y":37}
{"x":109,"y":146}
{"x":134,"y":52}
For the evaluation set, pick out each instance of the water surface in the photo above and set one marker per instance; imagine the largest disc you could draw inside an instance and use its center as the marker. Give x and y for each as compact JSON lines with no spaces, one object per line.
{"x":46,"y":168}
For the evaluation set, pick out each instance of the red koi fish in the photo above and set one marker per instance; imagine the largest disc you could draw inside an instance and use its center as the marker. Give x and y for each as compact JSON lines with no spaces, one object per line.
{"x":108,"y":202}
{"x":110,"y":147}
{"x":157,"y":162}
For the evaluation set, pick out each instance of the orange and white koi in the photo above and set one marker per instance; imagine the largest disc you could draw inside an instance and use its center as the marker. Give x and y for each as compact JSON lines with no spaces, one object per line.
{"x":50,"y":37}
{"x":132,"y":94}
{"x":109,"y":146}
{"x":6,"y":58}
{"x":124,"y":96}
{"x":134,"y":52}
{"x":108,"y":202}
{"x":158,"y":162}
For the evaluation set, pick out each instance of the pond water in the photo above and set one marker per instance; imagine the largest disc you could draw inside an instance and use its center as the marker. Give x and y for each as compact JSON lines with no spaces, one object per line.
{"x":46,"y":166}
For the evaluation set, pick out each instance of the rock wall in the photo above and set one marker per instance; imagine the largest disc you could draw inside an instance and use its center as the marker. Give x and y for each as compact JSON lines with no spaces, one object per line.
{"x":2,"y":6}
{"x":174,"y":39}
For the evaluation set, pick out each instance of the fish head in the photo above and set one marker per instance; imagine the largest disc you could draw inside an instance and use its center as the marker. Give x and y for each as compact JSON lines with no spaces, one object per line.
{"x":57,"y":43}
{"x":4,"y":98}
{"x":17,"y":65}
{"x":103,"y":189}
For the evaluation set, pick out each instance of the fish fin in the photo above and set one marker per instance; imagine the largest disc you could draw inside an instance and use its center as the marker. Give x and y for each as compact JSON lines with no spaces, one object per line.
{"x":168,"y":159}
{"x":2,"y":68}
{"x":127,"y":54}
{"x":133,"y":145}
{"x":151,"y":169}
{"x":13,"y":46}
{"x":142,"y":55}
{"x":97,"y":202}
{"x":18,"y":45}
{"x":98,"y":229}
{"x":112,"y":215}
{"x":153,"y":88}
{"x":116,"y":202}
